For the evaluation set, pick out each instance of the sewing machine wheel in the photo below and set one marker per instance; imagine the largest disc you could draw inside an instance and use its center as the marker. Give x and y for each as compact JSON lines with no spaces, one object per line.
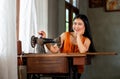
{"x":33,"y":41}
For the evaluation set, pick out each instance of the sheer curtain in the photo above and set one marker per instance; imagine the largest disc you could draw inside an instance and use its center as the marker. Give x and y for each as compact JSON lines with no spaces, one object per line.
{"x":8,"y":50}
{"x":28,"y":23}
{"x":33,"y":17}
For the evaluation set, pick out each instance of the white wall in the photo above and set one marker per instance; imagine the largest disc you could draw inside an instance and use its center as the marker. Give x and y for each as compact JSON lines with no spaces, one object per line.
{"x":61,"y":16}
{"x":52,"y":18}
{"x":56,"y":17}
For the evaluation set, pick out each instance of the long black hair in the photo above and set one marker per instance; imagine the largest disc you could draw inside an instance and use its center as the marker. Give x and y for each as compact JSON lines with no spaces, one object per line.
{"x":87,"y":30}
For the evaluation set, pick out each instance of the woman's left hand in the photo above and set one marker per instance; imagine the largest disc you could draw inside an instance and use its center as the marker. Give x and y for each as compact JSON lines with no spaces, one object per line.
{"x":79,"y":33}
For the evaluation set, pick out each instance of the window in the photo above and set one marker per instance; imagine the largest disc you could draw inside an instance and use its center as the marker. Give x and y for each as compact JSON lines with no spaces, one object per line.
{"x":71,"y":10}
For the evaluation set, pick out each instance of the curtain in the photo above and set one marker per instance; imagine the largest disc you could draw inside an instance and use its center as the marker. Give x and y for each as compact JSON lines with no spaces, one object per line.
{"x":33,"y":18}
{"x":8,"y":49}
{"x":28,"y":24}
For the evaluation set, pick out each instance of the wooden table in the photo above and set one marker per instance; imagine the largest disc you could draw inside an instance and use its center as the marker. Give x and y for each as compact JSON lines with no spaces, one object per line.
{"x":60,"y":63}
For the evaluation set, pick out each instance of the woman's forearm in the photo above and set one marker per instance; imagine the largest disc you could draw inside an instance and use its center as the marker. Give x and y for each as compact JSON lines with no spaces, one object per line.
{"x":82,"y":48}
{"x":52,"y":48}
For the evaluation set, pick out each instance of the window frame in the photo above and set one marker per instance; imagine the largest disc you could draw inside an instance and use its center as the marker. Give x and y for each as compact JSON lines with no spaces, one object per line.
{"x":72,"y":9}
{"x":17,"y":18}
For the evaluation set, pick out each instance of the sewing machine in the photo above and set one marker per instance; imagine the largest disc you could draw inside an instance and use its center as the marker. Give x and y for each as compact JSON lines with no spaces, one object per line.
{"x":39,"y":43}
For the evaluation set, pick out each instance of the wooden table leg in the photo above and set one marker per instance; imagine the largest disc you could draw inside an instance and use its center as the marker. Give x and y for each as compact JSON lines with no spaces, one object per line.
{"x":70,"y":62}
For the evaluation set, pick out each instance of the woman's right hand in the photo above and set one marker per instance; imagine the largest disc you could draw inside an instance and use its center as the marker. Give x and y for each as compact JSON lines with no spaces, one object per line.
{"x":42,"y":33}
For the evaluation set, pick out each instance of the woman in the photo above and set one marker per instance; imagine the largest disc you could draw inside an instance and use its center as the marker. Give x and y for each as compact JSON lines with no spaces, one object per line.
{"x":79,"y":40}
{"x":75,"y":41}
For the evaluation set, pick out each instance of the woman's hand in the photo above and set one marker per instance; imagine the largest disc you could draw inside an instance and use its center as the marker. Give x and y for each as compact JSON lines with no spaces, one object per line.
{"x":42,"y":33}
{"x":55,"y":48}
{"x":79,"y":33}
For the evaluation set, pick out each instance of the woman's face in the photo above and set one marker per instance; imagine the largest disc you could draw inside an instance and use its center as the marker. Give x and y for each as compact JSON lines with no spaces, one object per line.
{"x":78,"y":26}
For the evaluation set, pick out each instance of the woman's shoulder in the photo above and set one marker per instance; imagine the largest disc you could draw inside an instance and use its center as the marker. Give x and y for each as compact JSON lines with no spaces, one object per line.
{"x":64,"y":34}
{"x":87,"y":39}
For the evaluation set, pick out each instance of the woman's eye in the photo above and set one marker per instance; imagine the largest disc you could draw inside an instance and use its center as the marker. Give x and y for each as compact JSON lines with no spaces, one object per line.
{"x":74,"y":23}
{"x":80,"y":24}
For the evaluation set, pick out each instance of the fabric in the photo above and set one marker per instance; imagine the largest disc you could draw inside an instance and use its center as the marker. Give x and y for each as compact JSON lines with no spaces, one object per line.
{"x":8,"y":46}
{"x":68,"y":47}
{"x":33,"y":18}
{"x":28,"y":24}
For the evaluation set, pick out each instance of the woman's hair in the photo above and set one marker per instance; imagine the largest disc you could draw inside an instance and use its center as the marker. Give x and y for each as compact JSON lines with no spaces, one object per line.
{"x":87,"y":30}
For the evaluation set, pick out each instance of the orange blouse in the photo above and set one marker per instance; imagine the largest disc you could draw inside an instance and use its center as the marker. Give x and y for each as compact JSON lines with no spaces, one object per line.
{"x":68,"y":47}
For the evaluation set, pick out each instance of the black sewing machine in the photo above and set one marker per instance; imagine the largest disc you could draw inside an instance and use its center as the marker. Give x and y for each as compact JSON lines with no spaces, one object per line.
{"x":39,"y":43}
